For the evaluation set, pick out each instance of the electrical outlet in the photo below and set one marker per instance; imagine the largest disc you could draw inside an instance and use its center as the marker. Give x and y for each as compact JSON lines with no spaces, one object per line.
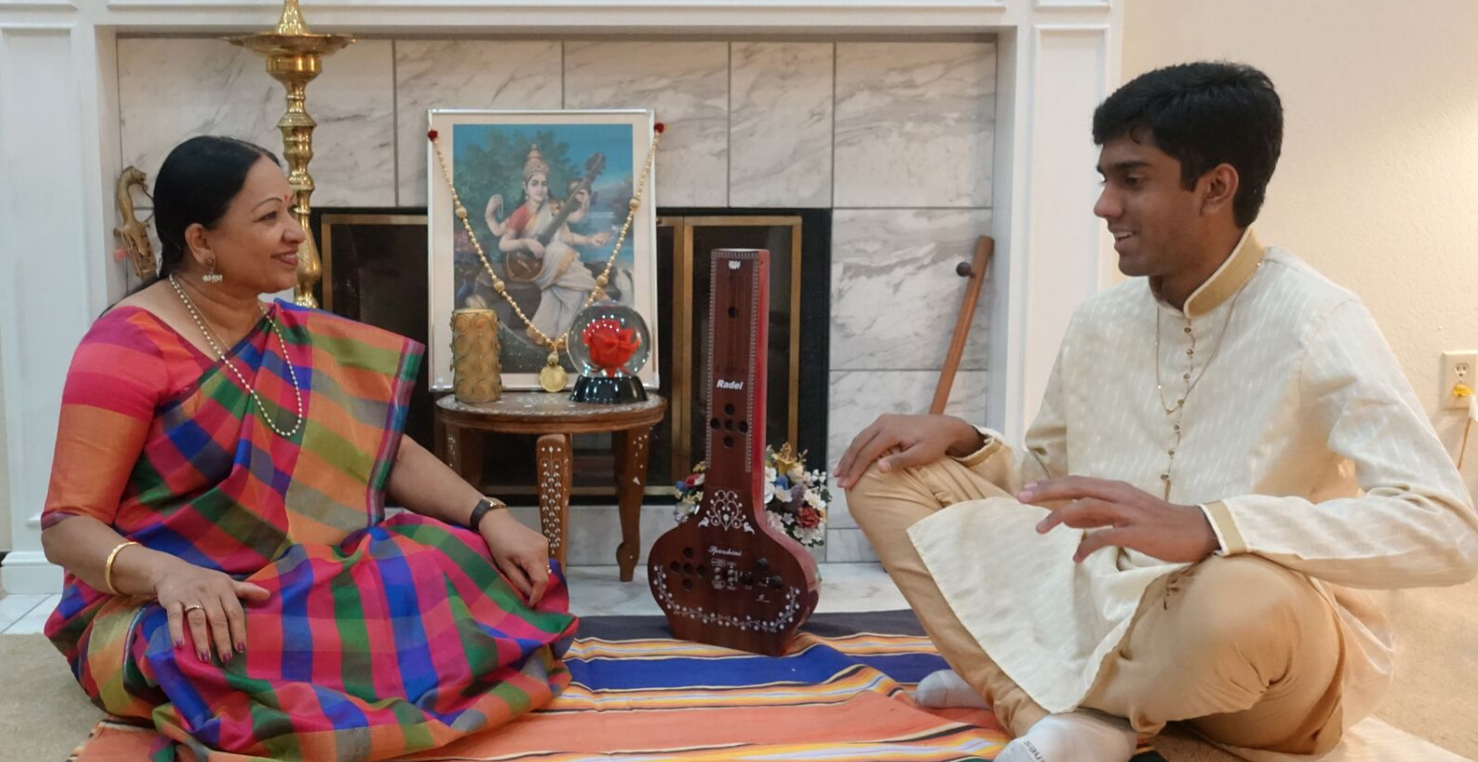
{"x":1458,"y":367}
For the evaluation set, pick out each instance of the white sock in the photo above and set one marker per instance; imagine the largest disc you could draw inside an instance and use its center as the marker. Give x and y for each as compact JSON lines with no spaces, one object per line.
{"x":1080,"y":736}
{"x":946,"y":689}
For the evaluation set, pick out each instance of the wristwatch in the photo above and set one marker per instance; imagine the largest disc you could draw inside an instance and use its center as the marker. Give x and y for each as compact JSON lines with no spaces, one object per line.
{"x":483,"y":506}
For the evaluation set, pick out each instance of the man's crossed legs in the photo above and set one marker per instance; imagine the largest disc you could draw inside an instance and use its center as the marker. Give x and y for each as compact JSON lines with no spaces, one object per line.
{"x":1244,"y":650}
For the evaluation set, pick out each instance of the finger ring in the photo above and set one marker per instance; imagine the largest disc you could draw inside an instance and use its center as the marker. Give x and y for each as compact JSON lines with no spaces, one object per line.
{"x":194,"y":607}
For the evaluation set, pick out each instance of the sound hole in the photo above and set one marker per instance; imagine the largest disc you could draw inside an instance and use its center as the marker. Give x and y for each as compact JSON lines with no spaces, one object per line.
{"x":703,"y":572}
{"x":714,"y":423}
{"x":687,"y":553}
{"x":729,"y":424}
{"x":744,"y":427}
{"x":733,"y":312}
{"x":675,"y":566}
{"x":728,"y":442}
{"x":687,"y":584}
{"x":687,"y":568}
{"x":729,"y":409}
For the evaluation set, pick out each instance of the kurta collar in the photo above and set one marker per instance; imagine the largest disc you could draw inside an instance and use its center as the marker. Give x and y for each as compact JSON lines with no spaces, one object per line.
{"x":1228,"y":279}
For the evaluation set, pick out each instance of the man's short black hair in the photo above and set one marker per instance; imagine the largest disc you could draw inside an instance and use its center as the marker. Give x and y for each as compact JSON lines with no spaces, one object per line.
{"x":1203,"y":114}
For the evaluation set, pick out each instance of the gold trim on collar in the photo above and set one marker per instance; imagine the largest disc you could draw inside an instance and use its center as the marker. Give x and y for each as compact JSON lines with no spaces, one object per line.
{"x":1229,"y":278}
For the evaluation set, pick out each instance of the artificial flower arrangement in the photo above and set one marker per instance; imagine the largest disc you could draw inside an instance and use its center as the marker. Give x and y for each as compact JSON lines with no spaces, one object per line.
{"x":795,"y":499}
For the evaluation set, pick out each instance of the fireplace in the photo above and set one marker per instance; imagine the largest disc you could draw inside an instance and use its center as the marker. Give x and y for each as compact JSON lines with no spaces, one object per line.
{"x":374,"y":270}
{"x":923,"y":126}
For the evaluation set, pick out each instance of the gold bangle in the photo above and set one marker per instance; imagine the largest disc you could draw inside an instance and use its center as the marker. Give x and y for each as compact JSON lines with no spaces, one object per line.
{"x":108,"y":566}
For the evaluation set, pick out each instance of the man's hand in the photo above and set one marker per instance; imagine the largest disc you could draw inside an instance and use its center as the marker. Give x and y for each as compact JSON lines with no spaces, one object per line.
{"x":1134,"y":518}
{"x":917,"y":439}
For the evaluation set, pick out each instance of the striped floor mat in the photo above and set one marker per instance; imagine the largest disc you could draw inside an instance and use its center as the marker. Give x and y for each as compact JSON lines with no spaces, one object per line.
{"x":842,"y":694}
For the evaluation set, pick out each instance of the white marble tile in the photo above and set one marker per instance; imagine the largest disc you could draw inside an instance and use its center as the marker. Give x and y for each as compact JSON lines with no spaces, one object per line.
{"x":599,"y":591}
{"x":895,"y":295}
{"x":171,"y":89}
{"x":915,"y":124}
{"x":858,"y":397}
{"x":780,"y":124}
{"x":857,"y":587}
{"x":13,"y":607}
{"x":471,"y":74}
{"x":687,"y":84}
{"x":848,"y":546}
{"x":33,"y":622}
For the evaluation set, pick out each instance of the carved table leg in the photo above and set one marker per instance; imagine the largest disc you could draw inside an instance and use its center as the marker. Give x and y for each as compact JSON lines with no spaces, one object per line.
{"x":631,"y":484}
{"x":461,"y":449}
{"x":554,"y":491}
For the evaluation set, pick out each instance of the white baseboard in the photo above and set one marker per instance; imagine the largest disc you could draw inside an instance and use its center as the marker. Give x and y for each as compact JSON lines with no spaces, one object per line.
{"x":27,"y":572}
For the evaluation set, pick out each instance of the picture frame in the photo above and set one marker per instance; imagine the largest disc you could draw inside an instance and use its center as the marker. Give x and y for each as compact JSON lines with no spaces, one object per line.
{"x":496,"y":159}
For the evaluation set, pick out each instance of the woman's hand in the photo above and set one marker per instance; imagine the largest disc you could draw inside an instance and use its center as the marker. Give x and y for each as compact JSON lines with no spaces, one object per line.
{"x":521,"y":553}
{"x":210,"y":603}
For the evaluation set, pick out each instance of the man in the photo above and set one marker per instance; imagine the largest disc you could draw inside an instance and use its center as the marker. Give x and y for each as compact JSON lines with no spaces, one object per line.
{"x":1227,"y":451}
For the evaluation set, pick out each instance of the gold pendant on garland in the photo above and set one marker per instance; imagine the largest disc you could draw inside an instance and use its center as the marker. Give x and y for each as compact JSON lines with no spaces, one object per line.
{"x":552,"y":377}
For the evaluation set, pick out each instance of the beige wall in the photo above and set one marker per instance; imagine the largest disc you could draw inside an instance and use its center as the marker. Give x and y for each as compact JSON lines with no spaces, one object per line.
{"x":1378,"y":189}
{"x":1378,"y":184}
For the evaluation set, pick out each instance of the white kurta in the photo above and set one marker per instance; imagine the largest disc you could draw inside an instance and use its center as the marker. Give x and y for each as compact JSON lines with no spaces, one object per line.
{"x":1299,"y":436}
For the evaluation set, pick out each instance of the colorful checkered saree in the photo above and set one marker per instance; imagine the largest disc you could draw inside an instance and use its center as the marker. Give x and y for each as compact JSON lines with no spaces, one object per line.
{"x":381,"y":637}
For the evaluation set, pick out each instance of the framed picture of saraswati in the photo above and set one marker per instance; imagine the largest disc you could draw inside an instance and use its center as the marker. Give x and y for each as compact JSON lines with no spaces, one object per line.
{"x":547,"y":196}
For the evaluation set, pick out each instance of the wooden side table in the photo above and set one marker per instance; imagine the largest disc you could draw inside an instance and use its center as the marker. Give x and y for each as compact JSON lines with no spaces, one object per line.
{"x":555,"y":418}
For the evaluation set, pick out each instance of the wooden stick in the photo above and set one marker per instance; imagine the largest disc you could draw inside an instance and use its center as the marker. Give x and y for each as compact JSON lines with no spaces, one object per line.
{"x":983,"y":252}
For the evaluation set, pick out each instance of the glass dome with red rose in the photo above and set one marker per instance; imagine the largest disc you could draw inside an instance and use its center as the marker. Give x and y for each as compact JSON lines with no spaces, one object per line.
{"x":609,"y":340}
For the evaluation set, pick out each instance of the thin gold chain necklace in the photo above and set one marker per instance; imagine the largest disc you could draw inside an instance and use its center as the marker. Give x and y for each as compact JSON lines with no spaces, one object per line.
{"x":1193,"y":382}
{"x":251,"y":388}
{"x":551,"y":376}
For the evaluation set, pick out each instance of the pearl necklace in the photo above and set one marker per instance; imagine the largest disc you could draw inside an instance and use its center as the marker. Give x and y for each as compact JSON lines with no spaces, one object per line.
{"x":291,"y":372}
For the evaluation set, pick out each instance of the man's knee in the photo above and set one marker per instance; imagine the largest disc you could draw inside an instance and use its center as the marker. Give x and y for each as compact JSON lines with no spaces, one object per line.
{"x":1251,"y":605}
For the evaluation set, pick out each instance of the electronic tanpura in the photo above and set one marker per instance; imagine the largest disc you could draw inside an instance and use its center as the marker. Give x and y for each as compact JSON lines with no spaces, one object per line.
{"x":725,"y":576}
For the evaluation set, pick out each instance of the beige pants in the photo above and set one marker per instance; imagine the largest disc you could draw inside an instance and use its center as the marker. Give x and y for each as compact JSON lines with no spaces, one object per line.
{"x":1242,"y":648}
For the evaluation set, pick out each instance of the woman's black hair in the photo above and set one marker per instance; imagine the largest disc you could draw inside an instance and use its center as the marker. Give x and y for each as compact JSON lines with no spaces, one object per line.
{"x":196,"y":183}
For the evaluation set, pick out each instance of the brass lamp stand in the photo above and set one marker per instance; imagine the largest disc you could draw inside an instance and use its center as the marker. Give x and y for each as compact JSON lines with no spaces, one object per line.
{"x":294,"y":58}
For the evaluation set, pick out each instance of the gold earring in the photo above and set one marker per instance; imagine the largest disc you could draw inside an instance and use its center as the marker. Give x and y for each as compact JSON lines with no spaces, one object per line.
{"x":213,"y":276}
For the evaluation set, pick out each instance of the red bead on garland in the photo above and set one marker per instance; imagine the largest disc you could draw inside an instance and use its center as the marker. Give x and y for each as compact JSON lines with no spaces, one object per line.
{"x":660,"y":128}
{"x":431,"y":134}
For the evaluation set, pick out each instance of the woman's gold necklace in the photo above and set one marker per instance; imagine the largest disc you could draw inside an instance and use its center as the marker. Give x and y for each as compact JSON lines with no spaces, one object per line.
{"x":251,"y":388}
{"x":552,"y":376}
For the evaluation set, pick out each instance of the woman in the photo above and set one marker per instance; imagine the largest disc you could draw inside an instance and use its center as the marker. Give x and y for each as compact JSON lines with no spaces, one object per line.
{"x":217,"y":501}
{"x":563,"y":280}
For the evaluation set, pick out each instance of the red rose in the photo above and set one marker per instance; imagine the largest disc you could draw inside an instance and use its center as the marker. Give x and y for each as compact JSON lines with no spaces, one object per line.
{"x":808,"y":517}
{"x":610,"y":344}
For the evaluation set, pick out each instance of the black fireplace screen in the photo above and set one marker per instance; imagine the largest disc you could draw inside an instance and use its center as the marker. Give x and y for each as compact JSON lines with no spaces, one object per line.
{"x":374,"y":270}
